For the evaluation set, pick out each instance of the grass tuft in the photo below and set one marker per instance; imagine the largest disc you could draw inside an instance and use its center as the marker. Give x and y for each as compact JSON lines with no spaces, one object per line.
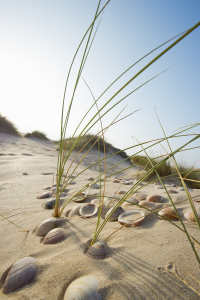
{"x":8,"y":127}
{"x":37,"y":134}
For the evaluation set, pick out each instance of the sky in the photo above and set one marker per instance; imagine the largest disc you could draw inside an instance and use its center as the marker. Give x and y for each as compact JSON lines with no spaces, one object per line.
{"x":38,"y":40}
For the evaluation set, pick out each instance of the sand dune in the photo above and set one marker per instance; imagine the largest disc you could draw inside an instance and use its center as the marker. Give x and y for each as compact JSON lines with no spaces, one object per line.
{"x":137,"y":260}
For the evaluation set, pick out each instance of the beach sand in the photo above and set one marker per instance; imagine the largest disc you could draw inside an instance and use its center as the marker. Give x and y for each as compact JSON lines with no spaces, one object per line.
{"x":139,"y":258}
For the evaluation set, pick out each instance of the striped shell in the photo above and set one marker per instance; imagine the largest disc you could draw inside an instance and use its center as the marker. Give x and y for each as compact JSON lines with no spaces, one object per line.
{"x":155,"y":198}
{"x":130,"y":201}
{"x":122,"y":218}
{"x":146,"y":204}
{"x":84,"y":288}
{"x":54,"y":236}
{"x":88,"y":210}
{"x":45,"y":195}
{"x":46,"y":226}
{"x":20,"y":274}
{"x":139,"y":196}
{"x":169,"y":213}
{"x":80,"y":197}
{"x":115,"y":214}
{"x":97,"y":251}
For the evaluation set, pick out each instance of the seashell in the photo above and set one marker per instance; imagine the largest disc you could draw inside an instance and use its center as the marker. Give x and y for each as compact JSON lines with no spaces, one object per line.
{"x":116,"y":181}
{"x":69,"y":176}
{"x":90,"y":179}
{"x":139,"y":196}
{"x":80,"y":197}
{"x":46,"y":226}
{"x":97,"y":251}
{"x":172,"y":192}
{"x":88,"y":210}
{"x":84,"y":288}
{"x":115,"y":214}
{"x":121,"y":192}
{"x":130,"y":201}
{"x":146,"y":204}
{"x":181,"y":189}
{"x":94,"y":186}
{"x":96,"y":201}
{"x":67,"y":213}
{"x":54,"y":236}
{"x":155,"y":198}
{"x":169,"y":213}
{"x":74,"y":211}
{"x":131,"y":215}
{"x":45,"y":195}
{"x":173,"y":185}
{"x":47,"y":188}
{"x":159,"y":187}
{"x":20,"y":274}
{"x":189,"y":215}
{"x":72,"y":182}
{"x":50,"y":204}
{"x":126,"y":182}
{"x":25,"y":173}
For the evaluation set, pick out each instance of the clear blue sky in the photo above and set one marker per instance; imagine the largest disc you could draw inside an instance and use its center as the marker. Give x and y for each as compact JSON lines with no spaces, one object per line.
{"x":39,"y":38}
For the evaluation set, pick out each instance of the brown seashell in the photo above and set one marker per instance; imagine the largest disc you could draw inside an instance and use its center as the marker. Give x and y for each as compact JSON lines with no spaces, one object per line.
{"x":121,"y":192}
{"x":128,"y":217}
{"x":189,"y":215}
{"x":139,"y":196}
{"x":88,"y":210}
{"x":90,"y":178}
{"x":84,"y":288}
{"x":20,"y":274}
{"x":74,"y":211}
{"x":169,"y":213}
{"x":155,"y":198}
{"x":45,"y":195}
{"x":130,"y":201}
{"x":46,"y":226}
{"x":25,"y":173}
{"x":80,"y":197}
{"x":54,"y":236}
{"x":94,"y":186}
{"x":146,"y":204}
{"x":159,"y":187}
{"x":116,"y":181}
{"x":97,"y":251}
{"x":115,"y":214}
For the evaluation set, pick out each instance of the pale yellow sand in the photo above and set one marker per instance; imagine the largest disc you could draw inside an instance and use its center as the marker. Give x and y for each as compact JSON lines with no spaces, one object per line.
{"x":133,"y":268}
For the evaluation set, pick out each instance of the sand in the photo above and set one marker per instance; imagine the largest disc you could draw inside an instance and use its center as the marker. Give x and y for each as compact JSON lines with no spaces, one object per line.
{"x":137,"y":260}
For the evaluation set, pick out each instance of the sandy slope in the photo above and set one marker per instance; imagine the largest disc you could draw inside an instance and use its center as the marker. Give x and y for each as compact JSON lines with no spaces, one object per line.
{"x":137,"y":256}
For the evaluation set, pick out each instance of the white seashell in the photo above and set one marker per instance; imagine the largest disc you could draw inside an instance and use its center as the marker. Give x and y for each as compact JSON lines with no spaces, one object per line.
{"x":84,"y":288}
{"x":139,"y":196}
{"x":20,"y":274}
{"x":169,"y":213}
{"x":115,"y":214}
{"x":146,"y":204}
{"x":130,"y":201}
{"x":155,"y":198}
{"x":133,"y":216}
{"x":74,"y":211}
{"x":54,"y":236}
{"x":97,"y":251}
{"x":45,"y":195}
{"x":80,"y":197}
{"x":88,"y":210}
{"x":189,"y":215}
{"x":46,"y":226}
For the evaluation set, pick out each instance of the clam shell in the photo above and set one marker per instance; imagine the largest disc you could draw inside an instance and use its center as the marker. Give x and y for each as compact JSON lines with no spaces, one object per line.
{"x":169,"y":213}
{"x":116,"y":181}
{"x":97,"y":251}
{"x":181,"y":189}
{"x":20,"y":274}
{"x":189,"y":215}
{"x":155,"y":198}
{"x":74,"y":211}
{"x":121,"y":192}
{"x":159,"y":187}
{"x":45,"y":195}
{"x":130,"y":201}
{"x":122,"y":218}
{"x":80,"y":197}
{"x":88,"y":210}
{"x":84,"y":288}
{"x":172,"y":192}
{"x":126,"y":182}
{"x":147,"y":204}
{"x":115,"y":214}
{"x":54,"y":236}
{"x":94,"y":186}
{"x":90,"y":178}
{"x":46,"y":226}
{"x":50,"y":204}
{"x":139,"y":196}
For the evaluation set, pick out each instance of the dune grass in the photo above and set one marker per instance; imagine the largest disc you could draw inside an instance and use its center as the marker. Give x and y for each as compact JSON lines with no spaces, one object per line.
{"x":36,"y":134}
{"x":8,"y":127}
